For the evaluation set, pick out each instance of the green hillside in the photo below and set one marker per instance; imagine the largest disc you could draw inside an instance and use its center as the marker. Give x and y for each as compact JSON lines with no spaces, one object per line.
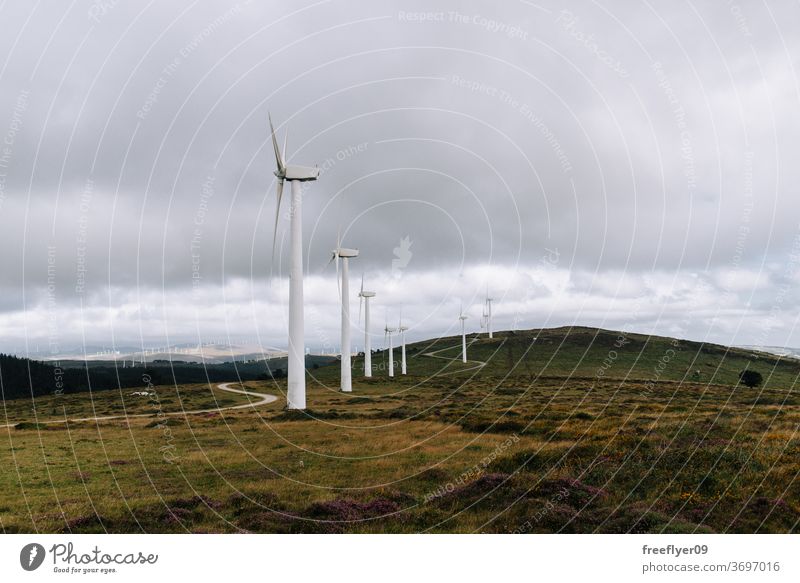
{"x":591,"y":354}
{"x":575,"y":431}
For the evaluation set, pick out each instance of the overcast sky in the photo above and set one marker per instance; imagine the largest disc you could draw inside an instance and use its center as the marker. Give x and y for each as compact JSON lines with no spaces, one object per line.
{"x":617,"y":164}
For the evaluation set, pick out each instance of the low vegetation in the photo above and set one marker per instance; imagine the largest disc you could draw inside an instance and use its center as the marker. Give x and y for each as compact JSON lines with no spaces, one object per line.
{"x":561,"y":431}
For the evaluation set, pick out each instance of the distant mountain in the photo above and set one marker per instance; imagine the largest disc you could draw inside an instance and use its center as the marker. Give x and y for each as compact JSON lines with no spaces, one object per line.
{"x":208,"y":353}
{"x":23,"y":378}
{"x":777,"y":350}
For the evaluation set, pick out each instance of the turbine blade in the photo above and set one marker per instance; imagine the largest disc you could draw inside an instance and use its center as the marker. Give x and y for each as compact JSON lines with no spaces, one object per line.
{"x":338,"y":278}
{"x":283,"y":153}
{"x":362,"y":284}
{"x":277,"y":216}
{"x":278,"y":156}
{"x":360,"y":304}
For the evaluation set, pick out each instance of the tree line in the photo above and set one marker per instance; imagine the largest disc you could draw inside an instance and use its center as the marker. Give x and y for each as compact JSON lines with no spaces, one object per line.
{"x":22,"y":377}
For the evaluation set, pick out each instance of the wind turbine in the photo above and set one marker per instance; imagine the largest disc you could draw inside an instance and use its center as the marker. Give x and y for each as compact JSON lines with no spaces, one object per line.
{"x":387,"y":333}
{"x":402,"y":330}
{"x":364,"y":300}
{"x":463,"y":317}
{"x":489,"y":312}
{"x":345,"y":255}
{"x":296,"y":390}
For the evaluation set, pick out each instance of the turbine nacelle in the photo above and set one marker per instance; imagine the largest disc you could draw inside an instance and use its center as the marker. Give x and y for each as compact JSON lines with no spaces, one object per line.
{"x":366,"y":294}
{"x":299,"y":173}
{"x":345,"y":253}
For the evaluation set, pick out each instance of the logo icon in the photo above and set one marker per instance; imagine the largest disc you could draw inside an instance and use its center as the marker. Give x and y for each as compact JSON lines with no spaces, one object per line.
{"x":31,"y":556}
{"x":402,"y":255}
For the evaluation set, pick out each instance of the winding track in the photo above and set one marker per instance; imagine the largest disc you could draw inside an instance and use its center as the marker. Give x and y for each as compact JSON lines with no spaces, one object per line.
{"x":263,"y":400}
{"x":434,"y":354}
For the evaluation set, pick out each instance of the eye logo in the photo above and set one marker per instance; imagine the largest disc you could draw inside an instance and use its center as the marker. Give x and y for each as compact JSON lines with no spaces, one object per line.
{"x":403,"y":255}
{"x":31,"y":556}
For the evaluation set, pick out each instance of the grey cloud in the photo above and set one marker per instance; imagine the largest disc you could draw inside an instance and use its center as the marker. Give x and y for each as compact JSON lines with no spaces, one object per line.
{"x":633,"y":139}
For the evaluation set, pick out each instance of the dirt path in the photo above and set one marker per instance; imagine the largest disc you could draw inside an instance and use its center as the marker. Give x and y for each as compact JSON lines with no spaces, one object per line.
{"x":434,"y":354}
{"x":263,"y":400}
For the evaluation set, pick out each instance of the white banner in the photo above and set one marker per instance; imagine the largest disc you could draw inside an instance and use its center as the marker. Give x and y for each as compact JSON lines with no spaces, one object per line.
{"x":389,"y":558}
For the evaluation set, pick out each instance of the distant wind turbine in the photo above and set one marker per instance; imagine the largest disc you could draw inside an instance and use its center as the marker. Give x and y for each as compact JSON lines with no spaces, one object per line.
{"x":489,"y":312}
{"x":402,"y":330}
{"x":462,"y":317}
{"x":364,"y":297}
{"x":387,"y":333}
{"x":344,"y":290}
{"x":296,"y":390}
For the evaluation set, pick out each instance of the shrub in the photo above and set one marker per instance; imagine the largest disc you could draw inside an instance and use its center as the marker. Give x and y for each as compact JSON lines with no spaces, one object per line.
{"x":751,"y":378}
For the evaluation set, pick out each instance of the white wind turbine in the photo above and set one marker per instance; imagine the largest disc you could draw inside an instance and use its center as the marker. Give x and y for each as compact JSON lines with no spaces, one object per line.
{"x":402,"y":330}
{"x":489,"y":312}
{"x":387,"y":333}
{"x":345,"y":255}
{"x":364,"y":300}
{"x":296,"y":391}
{"x":463,"y":317}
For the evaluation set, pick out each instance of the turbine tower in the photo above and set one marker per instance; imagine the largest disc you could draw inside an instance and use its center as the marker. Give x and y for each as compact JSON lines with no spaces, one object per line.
{"x":345,"y":255}
{"x":402,"y":330}
{"x":296,"y":389}
{"x":387,"y":333}
{"x":489,"y":313}
{"x":462,"y":317}
{"x":364,"y":300}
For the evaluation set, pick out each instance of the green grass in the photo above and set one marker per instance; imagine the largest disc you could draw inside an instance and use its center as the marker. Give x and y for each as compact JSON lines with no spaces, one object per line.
{"x":535,"y":441}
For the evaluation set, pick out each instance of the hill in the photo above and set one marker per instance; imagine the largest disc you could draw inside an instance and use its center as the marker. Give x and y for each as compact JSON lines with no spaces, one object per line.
{"x":591,"y":354}
{"x":564,"y":430}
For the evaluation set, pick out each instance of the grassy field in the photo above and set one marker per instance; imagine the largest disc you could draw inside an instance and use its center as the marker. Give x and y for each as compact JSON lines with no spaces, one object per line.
{"x":564,"y":430}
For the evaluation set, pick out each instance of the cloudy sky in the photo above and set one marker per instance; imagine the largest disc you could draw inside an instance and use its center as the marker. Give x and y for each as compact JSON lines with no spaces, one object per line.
{"x":617,"y":164}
